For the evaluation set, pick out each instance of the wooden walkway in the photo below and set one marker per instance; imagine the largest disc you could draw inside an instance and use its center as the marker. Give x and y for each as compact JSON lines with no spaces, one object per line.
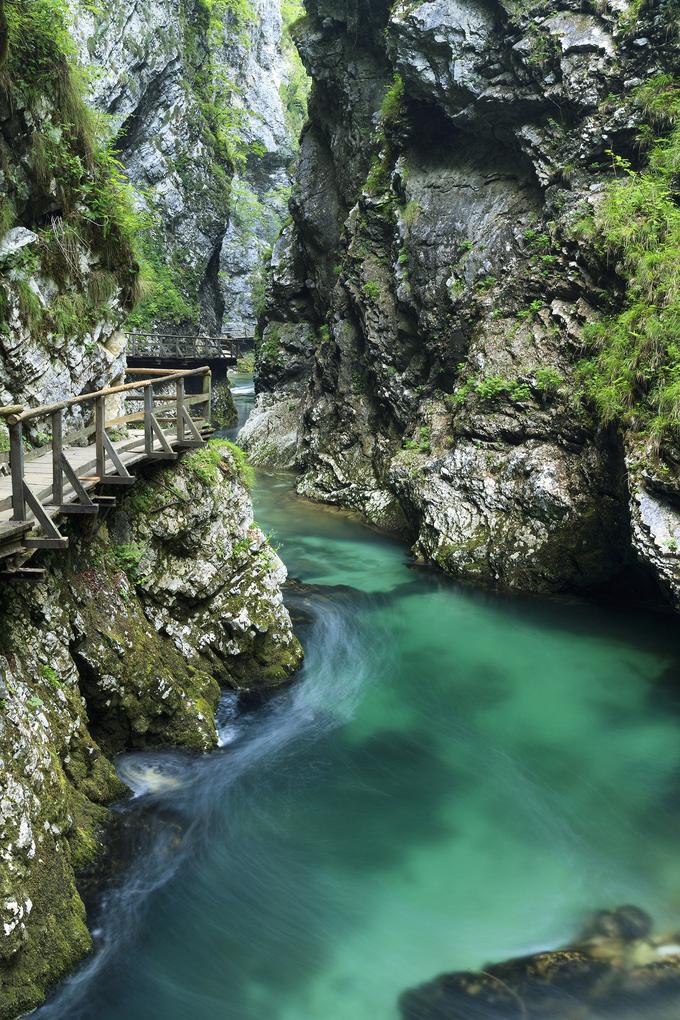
{"x":67,"y":478}
{"x":174,"y":347}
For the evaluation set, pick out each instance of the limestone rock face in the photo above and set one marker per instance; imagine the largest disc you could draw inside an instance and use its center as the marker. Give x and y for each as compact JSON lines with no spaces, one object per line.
{"x":65,"y":287}
{"x":125,"y":645}
{"x":449,"y":288}
{"x":165,"y":70}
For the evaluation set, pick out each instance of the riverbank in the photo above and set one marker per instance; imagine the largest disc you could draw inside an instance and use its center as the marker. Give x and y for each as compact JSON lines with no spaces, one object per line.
{"x":124,"y":645}
{"x":456,"y":777}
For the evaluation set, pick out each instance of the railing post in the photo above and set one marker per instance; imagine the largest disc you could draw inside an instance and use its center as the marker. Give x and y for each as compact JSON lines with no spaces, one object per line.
{"x":207,"y":389}
{"x":100,"y":430}
{"x":148,"y":424}
{"x":180,"y":410}
{"x":16,"y":457}
{"x":57,"y":453}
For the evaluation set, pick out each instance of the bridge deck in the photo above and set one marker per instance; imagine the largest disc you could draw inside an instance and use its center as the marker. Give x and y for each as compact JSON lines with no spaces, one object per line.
{"x":59,"y":481}
{"x":38,"y":473}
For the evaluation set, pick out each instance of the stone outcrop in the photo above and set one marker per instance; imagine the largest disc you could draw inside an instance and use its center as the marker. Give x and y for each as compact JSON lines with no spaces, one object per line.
{"x":431,"y":295}
{"x":126,"y":644}
{"x":67,"y":272}
{"x":616,"y":968}
{"x":195,"y":95}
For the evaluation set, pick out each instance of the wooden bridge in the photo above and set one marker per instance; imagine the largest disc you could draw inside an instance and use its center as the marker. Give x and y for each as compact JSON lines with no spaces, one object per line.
{"x":67,"y":476}
{"x":162,"y":350}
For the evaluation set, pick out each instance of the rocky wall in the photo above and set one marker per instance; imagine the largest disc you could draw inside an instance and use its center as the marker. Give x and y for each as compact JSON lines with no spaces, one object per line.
{"x":420,"y":360}
{"x":126,"y":644}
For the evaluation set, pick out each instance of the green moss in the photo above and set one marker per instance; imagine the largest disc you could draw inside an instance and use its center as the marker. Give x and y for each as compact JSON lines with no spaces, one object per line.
{"x":295,"y":89}
{"x":224,"y":415}
{"x":634,"y":374}
{"x":67,"y":160}
{"x":207,"y":463}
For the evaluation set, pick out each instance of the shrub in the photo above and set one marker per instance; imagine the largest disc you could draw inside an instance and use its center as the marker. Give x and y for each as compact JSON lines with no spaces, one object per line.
{"x":634,"y":374}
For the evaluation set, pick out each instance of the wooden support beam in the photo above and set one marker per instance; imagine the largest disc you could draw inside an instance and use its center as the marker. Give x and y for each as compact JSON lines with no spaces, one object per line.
{"x":79,"y":509}
{"x":180,"y":408}
{"x":78,"y":488}
{"x":16,"y":454}
{"x":46,"y":543}
{"x":117,"y":480}
{"x":22,"y":574}
{"x":57,"y":458}
{"x":100,"y":433}
{"x":193,"y":431}
{"x":10,"y":549}
{"x":158,"y":431}
{"x":51,"y":531}
{"x":148,"y":424}
{"x":115,"y":459}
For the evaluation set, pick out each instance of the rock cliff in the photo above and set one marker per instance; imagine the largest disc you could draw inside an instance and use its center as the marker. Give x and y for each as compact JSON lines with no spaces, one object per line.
{"x":434,"y":354}
{"x":133,"y":633}
{"x":125,"y":645}
{"x":67,"y":271}
{"x":197,"y":96}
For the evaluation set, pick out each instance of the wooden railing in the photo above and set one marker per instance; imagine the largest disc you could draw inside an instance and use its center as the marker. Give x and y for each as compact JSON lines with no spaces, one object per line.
{"x":156,"y":445}
{"x":185,"y":348}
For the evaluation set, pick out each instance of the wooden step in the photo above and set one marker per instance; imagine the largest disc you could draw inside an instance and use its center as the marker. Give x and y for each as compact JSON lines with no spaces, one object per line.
{"x":22,"y":574}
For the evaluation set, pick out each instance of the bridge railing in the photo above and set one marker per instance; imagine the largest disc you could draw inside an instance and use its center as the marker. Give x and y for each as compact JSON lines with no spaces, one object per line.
{"x":185,"y":348}
{"x":156,"y":445}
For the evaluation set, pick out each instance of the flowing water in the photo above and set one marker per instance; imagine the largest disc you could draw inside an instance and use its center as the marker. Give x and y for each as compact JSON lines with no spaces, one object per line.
{"x":455,"y":778}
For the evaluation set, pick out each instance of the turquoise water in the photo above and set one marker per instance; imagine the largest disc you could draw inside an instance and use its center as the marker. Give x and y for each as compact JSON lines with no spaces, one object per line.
{"x":455,"y":778}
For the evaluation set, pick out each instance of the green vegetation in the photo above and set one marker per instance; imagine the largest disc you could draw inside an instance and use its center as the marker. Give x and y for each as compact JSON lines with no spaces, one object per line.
{"x":295,"y":89}
{"x":168,"y":291}
{"x":547,"y":381}
{"x":372,"y":289}
{"x":208,"y":462}
{"x":65,"y":157}
{"x":246,"y":363}
{"x":422,"y":443}
{"x":489,"y":388}
{"x":391,"y":115}
{"x":50,"y":674}
{"x":634,"y":374}
{"x":128,"y":557}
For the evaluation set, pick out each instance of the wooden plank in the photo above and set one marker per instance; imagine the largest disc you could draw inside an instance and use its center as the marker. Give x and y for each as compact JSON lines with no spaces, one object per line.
{"x":23,"y":573}
{"x":11,"y":549}
{"x":46,"y":543}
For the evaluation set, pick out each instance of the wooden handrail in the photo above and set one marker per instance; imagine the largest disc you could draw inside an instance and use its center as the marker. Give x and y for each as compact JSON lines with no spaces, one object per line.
{"x":24,"y":499}
{"x":109,"y":391}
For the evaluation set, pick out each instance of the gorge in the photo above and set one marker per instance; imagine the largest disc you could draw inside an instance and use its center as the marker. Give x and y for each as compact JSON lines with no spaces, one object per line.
{"x":460,"y":254}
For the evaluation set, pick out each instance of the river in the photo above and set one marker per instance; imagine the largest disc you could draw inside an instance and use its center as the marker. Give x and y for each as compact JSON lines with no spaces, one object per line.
{"x":456,"y":777}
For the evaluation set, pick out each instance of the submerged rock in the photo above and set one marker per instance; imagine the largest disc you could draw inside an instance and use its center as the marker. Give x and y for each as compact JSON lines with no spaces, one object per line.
{"x":616,"y":968}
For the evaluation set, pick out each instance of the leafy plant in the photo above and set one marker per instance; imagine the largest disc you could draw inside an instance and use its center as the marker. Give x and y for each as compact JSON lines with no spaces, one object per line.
{"x":633,"y":375}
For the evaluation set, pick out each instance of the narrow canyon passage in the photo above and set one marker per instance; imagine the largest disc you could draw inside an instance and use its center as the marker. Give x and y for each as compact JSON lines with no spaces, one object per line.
{"x":456,"y":777}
